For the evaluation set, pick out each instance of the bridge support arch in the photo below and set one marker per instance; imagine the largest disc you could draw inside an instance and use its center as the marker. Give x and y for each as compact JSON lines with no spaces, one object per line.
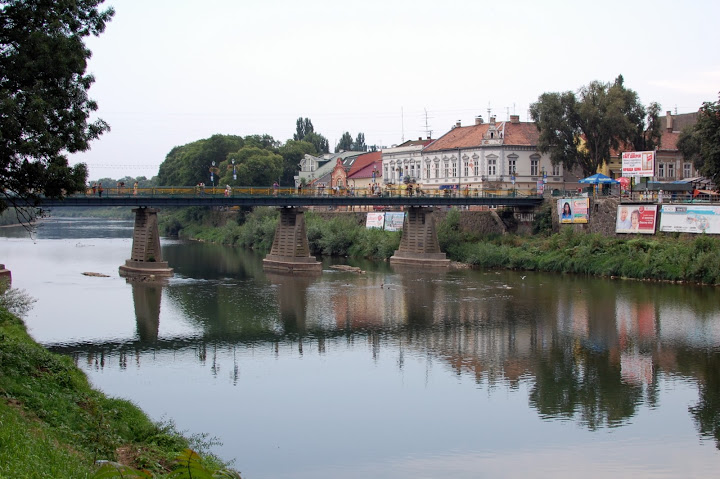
{"x":290,"y":250}
{"x":146,"y":255}
{"x":419,"y":244}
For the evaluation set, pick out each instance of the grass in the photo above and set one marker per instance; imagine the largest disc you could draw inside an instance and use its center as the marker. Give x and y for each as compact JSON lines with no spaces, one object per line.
{"x":53,"y":424}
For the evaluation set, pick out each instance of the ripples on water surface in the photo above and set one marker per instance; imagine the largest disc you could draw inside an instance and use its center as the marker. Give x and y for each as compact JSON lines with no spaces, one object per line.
{"x":392,"y":373}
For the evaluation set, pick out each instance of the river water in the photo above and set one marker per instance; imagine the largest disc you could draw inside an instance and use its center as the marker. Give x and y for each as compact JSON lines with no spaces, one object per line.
{"x":393,"y":373}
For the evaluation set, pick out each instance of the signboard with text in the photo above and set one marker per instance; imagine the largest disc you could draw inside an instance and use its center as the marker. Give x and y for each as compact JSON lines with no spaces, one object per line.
{"x":573,"y":210}
{"x":375,"y":220}
{"x":690,"y":218}
{"x":636,"y":219}
{"x":638,"y":163}
{"x":394,"y":220}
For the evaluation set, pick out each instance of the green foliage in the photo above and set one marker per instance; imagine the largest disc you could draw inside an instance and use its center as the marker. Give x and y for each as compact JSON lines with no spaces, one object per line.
{"x":254,"y":167}
{"x":292,"y":153}
{"x":374,"y":243}
{"x":542,"y":223}
{"x":190,"y":164}
{"x":345,"y":143}
{"x":332,"y":237}
{"x":582,"y":130}
{"x":701,"y":142}
{"x":16,"y":301}
{"x":44,"y":104}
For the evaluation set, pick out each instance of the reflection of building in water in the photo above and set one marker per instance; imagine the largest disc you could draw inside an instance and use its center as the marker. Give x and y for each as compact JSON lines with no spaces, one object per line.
{"x":147,"y":296}
{"x":292,"y":298}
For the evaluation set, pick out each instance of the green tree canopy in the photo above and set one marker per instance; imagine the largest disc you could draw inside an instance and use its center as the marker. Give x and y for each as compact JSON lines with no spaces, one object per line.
{"x":701,"y":141}
{"x":293,"y":152}
{"x":254,"y":167}
{"x":190,"y":164}
{"x":320,"y":143}
{"x":303,"y":127}
{"x":582,"y":130}
{"x":44,"y":103}
{"x":345,"y":143}
{"x":359,"y":144}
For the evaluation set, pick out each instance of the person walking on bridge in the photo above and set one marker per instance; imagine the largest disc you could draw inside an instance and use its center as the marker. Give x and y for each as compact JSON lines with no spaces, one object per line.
{"x":100,"y":190}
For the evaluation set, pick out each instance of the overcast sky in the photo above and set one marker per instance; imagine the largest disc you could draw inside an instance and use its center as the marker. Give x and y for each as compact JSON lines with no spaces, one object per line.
{"x":170,"y":72}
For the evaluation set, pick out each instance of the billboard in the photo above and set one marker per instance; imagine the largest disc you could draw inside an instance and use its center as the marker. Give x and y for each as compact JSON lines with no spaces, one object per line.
{"x":690,"y":218}
{"x":636,"y":219}
{"x":638,"y":163}
{"x":394,"y":220}
{"x":573,"y":210}
{"x":375,"y":220}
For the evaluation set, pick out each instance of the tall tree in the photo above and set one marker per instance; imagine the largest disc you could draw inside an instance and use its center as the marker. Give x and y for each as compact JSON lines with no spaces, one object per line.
{"x":44,"y":103}
{"x":320,"y":143}
{"x":701,"y":141}
{"x":345,"y":143}
{"x":303,"y":127}
{"x":582,"y":130}
{"x":359,"y":144}
{"x":293,"y":152}
{"x":190,"y":164}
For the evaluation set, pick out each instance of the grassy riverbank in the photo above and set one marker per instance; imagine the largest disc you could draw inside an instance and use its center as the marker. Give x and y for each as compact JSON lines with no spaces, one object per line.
{"x":662,"y":257}
{"x":53,"y":424}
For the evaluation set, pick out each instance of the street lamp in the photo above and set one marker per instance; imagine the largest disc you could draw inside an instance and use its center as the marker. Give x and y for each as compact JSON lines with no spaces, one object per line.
{"x":212,"y":175}
{"x":234,"y":171}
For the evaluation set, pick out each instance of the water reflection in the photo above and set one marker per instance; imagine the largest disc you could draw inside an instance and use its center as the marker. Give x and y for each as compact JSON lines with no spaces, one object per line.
{"x":590,"y":351}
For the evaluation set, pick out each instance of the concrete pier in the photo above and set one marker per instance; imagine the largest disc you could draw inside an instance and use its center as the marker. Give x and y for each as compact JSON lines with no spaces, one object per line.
{"x":290,"y":251}
{"x":419,"y":244}
{"x":146,"y":256}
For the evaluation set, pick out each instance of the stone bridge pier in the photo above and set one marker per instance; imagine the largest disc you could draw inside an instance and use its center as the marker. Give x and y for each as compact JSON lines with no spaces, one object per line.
{"x":146,"y":256}
{"x":290,"y":250}
{"x":419,"y":244}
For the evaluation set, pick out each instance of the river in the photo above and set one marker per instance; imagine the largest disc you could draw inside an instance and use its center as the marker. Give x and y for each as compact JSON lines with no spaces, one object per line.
{"x":390,"y":373}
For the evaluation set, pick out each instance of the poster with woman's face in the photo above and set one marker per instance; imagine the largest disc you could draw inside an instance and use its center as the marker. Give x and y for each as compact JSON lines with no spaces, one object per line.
{"x":573,"y":210}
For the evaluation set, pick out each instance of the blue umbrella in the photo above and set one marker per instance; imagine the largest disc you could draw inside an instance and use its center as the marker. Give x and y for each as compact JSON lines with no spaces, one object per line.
{"x":599,"y":179}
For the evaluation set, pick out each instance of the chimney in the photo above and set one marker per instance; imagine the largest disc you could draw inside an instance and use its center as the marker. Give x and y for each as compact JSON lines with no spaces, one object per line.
{"x":478,"y":120}
{"x":669,"y":121}
{"x":457,"y":124}
{"x":492,"y":120}
{"x":419,"y":138}
{"x":514,"y":119}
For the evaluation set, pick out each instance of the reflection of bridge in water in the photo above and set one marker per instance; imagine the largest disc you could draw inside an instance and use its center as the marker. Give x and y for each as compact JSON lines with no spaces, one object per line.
{"x":290,"y":250}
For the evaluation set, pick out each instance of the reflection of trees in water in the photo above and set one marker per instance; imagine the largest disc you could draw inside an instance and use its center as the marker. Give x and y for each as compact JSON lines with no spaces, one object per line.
{"x":705,"y":366}
{"x":577,"y":383}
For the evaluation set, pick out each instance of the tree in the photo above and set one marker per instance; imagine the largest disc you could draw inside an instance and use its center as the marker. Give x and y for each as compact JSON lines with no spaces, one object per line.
{"x":44,"y":103}
{"x":254,"y":167}
{"x":303,"y":127}
{"x":190,"y":164}
{"x":700,"y":142}
{"x":583,"y":130}
{"x":345,"y":143}
{"x":320,"y":143}
{"x":293,"y":152}
{"x":359,"y":144}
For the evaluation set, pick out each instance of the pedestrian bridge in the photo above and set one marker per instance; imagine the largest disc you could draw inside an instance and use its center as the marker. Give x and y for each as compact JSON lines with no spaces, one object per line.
{"x":290,"y":251}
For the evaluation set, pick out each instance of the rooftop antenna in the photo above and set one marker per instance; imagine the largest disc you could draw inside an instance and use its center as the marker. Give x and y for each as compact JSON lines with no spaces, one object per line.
{"x":402,"y":122}
{"x":428,"y":131}
{"x":507,"y":113}
{"x":489,"y":111}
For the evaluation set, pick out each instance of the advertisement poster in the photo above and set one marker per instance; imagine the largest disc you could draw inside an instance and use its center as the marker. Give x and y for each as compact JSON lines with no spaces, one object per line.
{"x":690,"y":219}
{"x":638,"y":163}
{"x":375,"y":220}
{"x":573,"y":210}
{"x":394,"y":220}
{"x":636,"y":219}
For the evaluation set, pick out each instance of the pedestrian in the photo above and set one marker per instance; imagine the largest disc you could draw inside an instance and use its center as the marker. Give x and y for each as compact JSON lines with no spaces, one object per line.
{"x":94,"y":188}
{"x":275,"y":188}
{"x":100,"y":190}
{"x":135,"y":187}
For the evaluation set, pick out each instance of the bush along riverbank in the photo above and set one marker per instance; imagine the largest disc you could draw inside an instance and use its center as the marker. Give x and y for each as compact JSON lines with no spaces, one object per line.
{"x":661,"y":257}
{"x":54,"y":424}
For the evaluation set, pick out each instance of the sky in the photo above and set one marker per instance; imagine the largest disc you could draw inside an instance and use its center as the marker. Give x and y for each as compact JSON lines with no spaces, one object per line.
{"x":171,"y":72}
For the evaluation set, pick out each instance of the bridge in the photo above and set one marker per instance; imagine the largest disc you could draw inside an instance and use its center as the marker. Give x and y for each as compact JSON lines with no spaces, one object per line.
{"x":290,"y":251}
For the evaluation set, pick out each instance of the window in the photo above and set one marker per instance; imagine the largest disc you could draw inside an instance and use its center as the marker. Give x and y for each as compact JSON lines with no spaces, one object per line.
{"x":661,"y":170}
{"x":511,"y":167}
{"x":454,"y":169}
{"x":477,"y":168}
{"x":687,"y":170}
{"x":492,"y":167}
{"x":447,"y":170}
{"x":437,"y":170}
{"x":671,"y":170}
{"x":466,"y":172}
{"x":534,"y":167}
{"x":427,"y":171}
{"x":412,"y":171}
{"x":556,"y":170}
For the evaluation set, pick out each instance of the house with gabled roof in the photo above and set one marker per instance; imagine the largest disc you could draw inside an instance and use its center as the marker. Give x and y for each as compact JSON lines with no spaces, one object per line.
{"x":493,"y":155}
{"x":402,"y":162}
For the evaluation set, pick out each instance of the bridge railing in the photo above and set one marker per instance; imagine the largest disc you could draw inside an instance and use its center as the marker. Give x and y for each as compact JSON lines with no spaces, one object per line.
{"x":245,"y":191}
